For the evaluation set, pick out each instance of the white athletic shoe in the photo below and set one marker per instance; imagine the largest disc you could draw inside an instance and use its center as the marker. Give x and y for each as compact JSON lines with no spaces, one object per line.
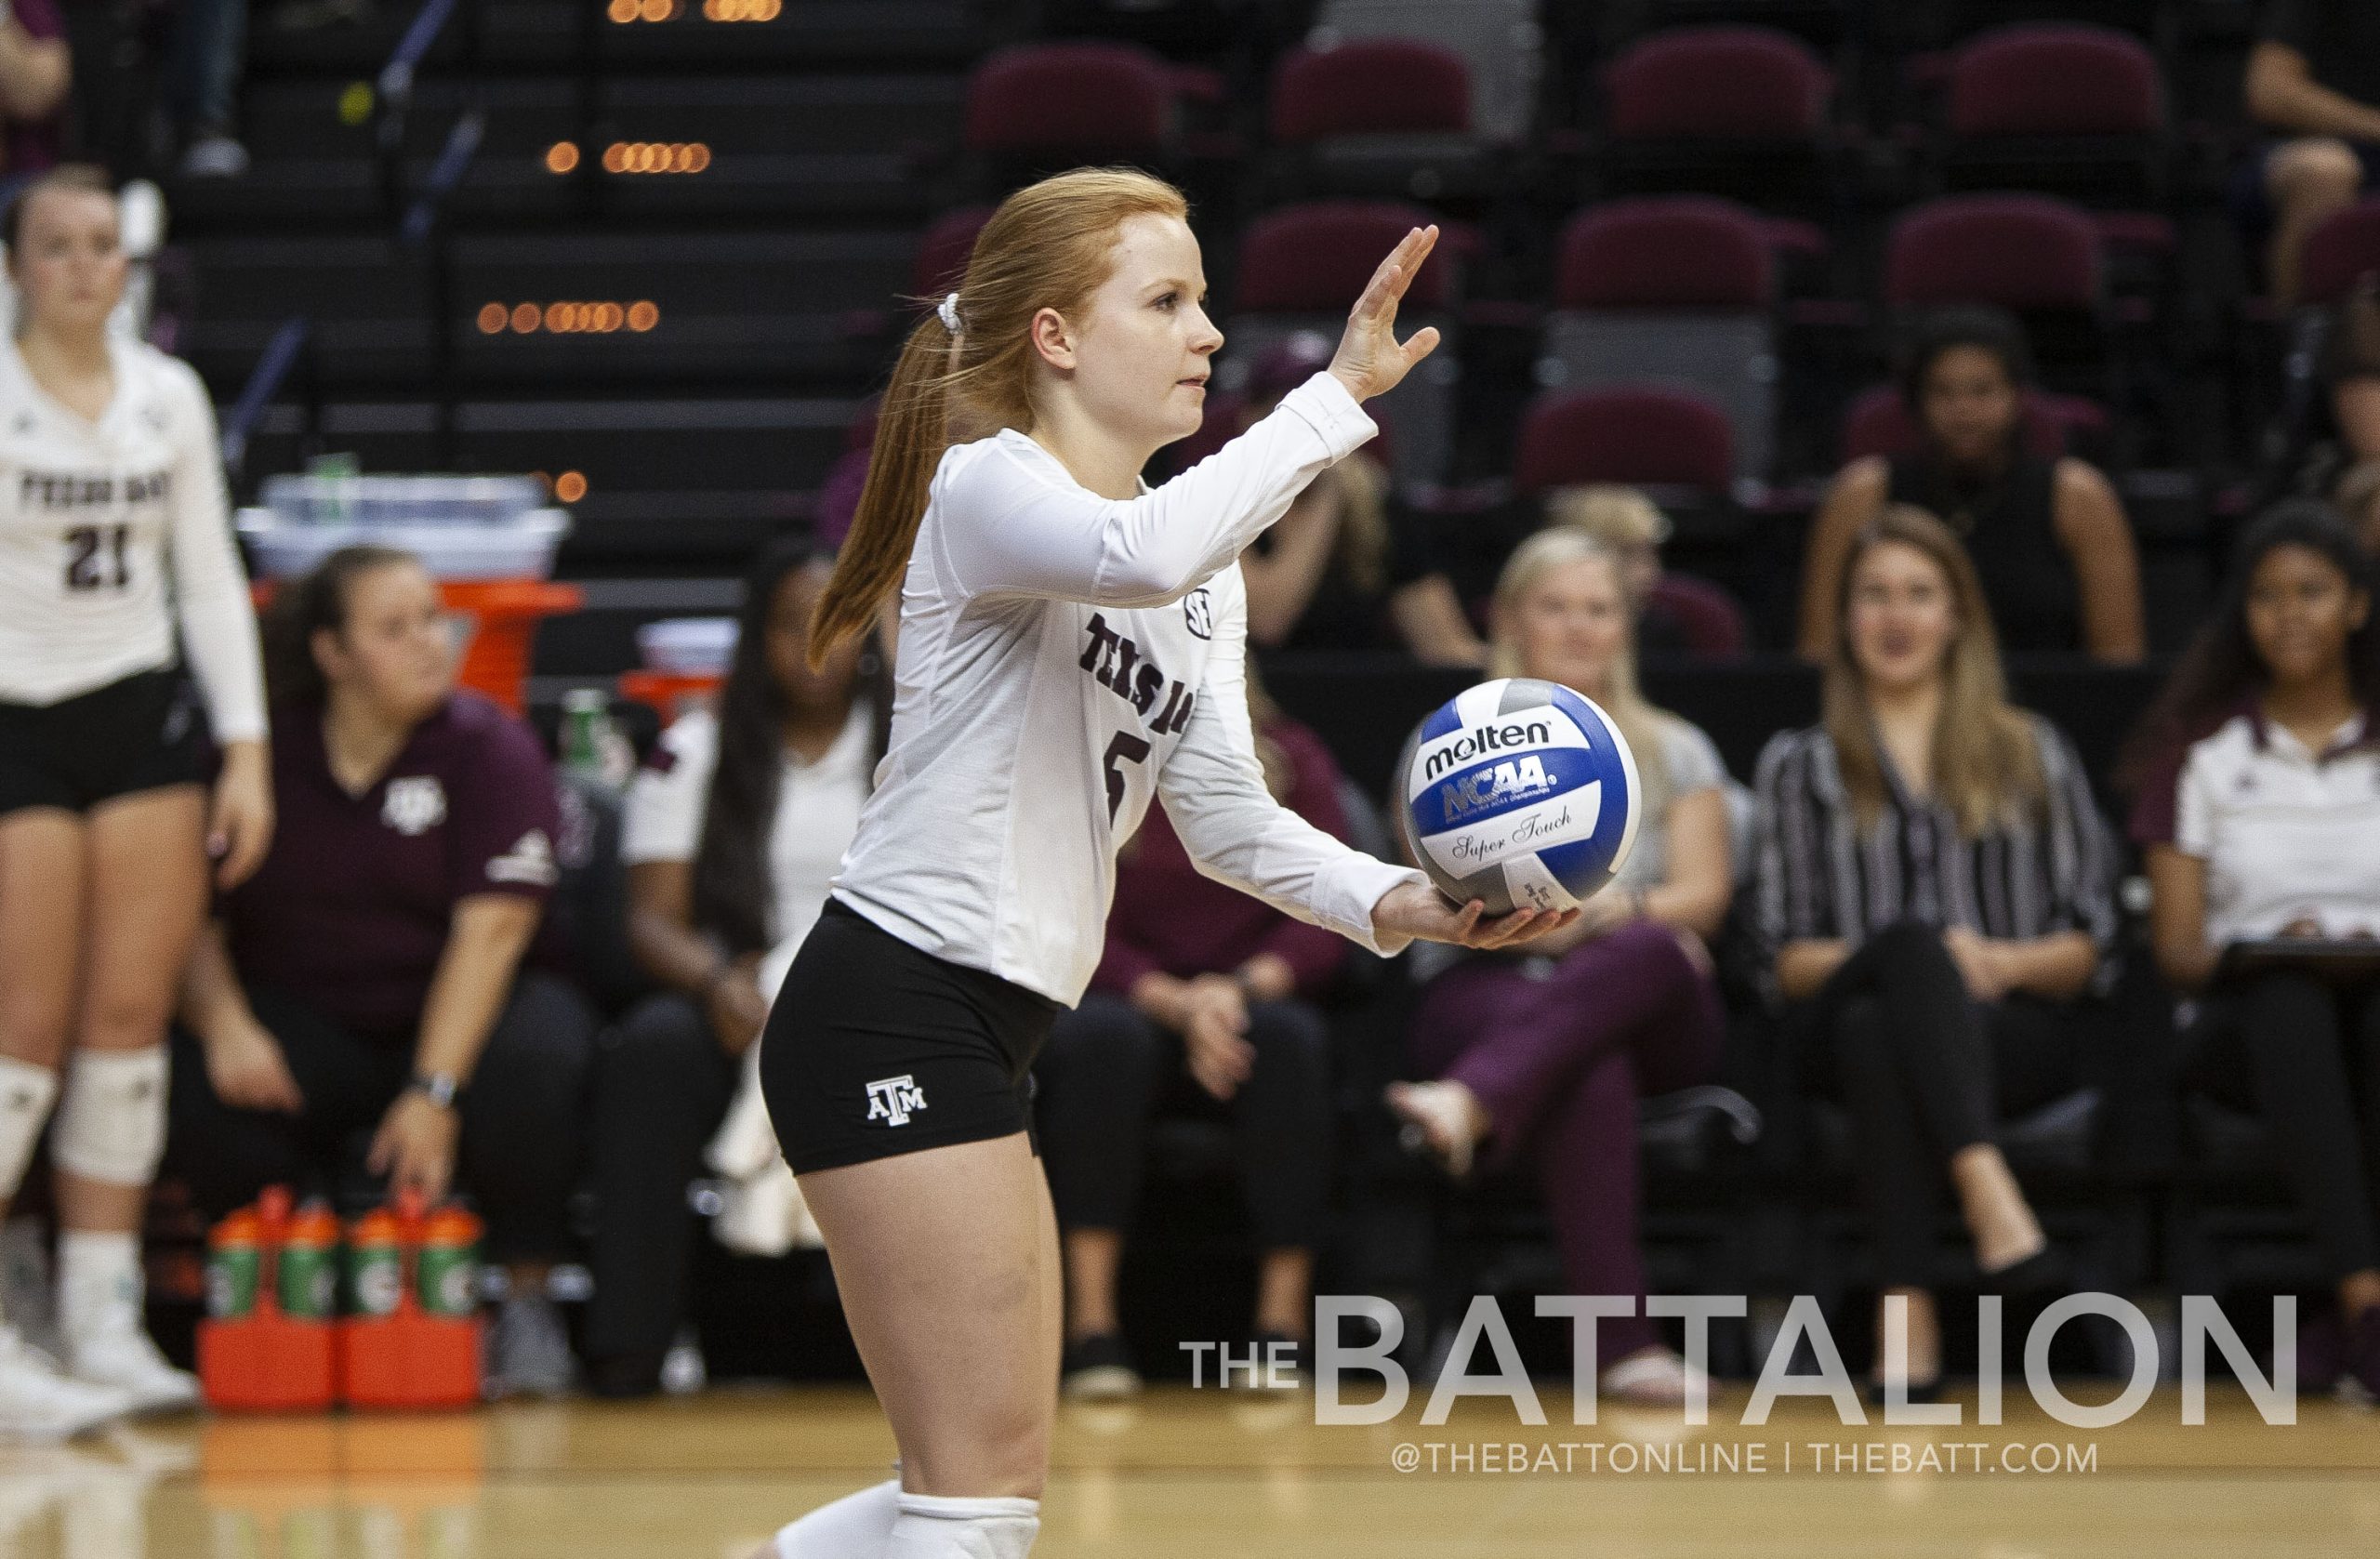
{"x":120,"y":1358}
{"x":38,"y":1402}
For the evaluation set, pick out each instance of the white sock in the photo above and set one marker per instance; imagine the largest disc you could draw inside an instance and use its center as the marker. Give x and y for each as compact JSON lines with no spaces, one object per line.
{"x":855,"y":1526}
{"x":99,"y":1283}
{"x":935,"y":1526}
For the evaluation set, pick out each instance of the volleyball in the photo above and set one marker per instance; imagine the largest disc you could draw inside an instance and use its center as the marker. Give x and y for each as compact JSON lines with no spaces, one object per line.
{"x":1519,"y":793}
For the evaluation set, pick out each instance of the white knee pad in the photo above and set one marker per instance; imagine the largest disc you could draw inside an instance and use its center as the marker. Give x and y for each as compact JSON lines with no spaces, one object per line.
{"x":935,"y":1526}
{"x":855,"y":1526}
{"x":111,"y":1123}
{"x":26,"y":1091}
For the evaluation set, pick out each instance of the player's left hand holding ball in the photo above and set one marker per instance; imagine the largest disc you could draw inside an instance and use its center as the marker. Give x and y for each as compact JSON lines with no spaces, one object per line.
{"x":1416,"y":909}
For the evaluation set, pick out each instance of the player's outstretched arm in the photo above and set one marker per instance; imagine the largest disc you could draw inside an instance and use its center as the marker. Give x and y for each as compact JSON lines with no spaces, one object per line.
{"x":1415,"y":910}
{"x":1370,"y":359}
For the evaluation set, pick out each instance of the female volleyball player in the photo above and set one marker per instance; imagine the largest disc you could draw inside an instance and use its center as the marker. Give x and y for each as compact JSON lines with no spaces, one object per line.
{"x":1071,"y":643}
{"x":110,"y":487}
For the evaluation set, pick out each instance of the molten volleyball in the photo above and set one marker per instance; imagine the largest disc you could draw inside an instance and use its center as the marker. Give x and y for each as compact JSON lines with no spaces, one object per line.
{"x":1519,"y":793}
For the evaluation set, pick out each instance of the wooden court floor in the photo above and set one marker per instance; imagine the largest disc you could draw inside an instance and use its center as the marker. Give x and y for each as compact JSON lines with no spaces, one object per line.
{"x":1183,"y":1475}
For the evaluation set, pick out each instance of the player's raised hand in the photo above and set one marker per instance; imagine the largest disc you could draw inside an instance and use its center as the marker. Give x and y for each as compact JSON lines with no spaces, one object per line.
{"x":1370,"y":359}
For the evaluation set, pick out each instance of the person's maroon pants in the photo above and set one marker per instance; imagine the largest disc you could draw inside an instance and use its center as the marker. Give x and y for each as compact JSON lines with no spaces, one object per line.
{"x":1559,"y":1053}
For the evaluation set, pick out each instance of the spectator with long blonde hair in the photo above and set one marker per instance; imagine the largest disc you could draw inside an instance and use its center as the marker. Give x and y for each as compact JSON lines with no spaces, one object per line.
{"x":1541,"y":1059}
{"x":1934,"y":885}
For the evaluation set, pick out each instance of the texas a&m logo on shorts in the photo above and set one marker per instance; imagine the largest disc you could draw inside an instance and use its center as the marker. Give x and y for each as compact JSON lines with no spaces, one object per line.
{"x":890,"y":1099}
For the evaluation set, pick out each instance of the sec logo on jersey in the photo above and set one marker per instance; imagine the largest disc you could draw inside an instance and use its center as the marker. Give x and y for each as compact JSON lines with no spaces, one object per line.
{"x":1198,"y":612}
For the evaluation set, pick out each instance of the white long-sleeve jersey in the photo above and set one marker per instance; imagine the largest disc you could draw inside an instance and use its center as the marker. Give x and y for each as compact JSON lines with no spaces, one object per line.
{"x":112,"y":532}
{"x":1066,"y":656}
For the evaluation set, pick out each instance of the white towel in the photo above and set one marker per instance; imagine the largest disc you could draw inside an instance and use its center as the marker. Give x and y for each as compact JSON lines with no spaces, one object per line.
{"x":763,"y":1212}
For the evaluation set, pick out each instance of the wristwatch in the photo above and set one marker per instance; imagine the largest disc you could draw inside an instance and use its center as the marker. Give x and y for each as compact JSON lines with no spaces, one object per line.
{"x":441,"y":1088}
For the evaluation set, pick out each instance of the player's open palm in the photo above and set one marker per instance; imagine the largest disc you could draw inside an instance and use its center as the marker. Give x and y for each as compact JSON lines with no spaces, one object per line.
{"x":1370,"y":359}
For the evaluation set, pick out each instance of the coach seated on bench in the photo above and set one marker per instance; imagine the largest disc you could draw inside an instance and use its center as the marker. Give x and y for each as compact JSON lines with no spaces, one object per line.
{"x":1204,"y":1000}
{"x":732,"y":833}
{"x":375,"y":975}
{"x":1933,"y":891}
{"x":1542,"y":1056}
{"x":2259,"y":809}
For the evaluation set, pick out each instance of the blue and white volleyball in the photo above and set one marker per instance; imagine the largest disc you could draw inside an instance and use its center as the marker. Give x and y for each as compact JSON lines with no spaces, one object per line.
{"x":1521,"y":794}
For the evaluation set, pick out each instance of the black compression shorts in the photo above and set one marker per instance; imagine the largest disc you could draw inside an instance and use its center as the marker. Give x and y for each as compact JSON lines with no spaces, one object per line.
{"x":874,"y":1049}
{"x":143,"y":733}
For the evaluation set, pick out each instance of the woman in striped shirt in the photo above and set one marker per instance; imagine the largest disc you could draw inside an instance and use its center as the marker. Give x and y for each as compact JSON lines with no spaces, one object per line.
{"x":1933,"y":889}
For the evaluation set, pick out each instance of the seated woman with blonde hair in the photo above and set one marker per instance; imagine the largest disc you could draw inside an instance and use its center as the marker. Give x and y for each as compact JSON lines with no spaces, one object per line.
{"x":1542,"y":1057}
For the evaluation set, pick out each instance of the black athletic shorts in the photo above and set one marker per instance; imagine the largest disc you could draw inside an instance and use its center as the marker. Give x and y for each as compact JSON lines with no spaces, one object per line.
{"x":874,"y":1048}
{"x":144,"y":733}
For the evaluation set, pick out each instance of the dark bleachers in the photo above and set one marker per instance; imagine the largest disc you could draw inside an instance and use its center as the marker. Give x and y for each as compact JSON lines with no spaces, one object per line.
{"x":772,"y":306}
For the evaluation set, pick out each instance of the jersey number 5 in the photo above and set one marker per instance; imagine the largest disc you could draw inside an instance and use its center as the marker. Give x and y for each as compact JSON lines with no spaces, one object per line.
{"x":1125,"y":748}
{"x":86,"y":568}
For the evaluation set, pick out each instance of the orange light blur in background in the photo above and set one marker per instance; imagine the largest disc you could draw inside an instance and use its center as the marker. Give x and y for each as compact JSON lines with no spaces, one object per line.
{"x":569,"y":318}
{"x":655,"y":157}
{"x":562,"y":157}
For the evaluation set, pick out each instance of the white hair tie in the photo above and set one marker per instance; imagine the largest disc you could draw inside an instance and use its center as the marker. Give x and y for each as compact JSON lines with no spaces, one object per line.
{"x":949,"y":312}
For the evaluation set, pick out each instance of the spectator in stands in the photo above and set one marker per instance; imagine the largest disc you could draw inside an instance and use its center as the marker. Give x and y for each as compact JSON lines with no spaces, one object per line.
{"x":1348,"y":567}
{"x":374,"y":978}
{"x":2048,"y":538}
{"x":2314,"y":78}
{"x":209,"y":51}
{"x":1204,"y":1000}
{"x":1675,"y":613}
{"x":36,"y":76}
{"x":732,"y":830}
{"x":1933,"y":896}
{"x":1544,"y":1055}
{"x":2258,"y":806}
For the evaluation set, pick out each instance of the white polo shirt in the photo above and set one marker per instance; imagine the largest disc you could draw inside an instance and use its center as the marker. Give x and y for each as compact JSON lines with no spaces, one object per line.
{"x":817,"y":811}
{"x":2287,"y":834}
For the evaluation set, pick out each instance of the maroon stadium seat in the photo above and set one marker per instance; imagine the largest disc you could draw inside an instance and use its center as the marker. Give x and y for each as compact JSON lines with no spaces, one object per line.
{"x":2053,"y":80}
{"x":944,"y":252}
{"x":2021,"y":252}
{"x":1718,"y":83}
{"x":1301,"y":267}
{"x":1879,"y":423}
{"x":1671,"y":290}
{"x":1666,"y":252}
{"x":1642,"y":435}
{"x":1315,"y":258}
{"x":1071,"y":99}
{"x":1371,"y":87}
{"x":2339,"y":252}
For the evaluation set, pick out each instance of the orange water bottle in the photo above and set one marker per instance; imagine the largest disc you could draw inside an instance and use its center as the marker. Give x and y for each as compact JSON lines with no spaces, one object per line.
{"x":234,"y":1265}
{"x":446,"y":1271}
{"x":307,"y":1280}
{"x":376,"y":1264}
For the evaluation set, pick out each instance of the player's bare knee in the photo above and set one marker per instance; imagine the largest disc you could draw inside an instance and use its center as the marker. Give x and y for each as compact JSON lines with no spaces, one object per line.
{"x":33,"y":1030}
{"x":108,"y":1022}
